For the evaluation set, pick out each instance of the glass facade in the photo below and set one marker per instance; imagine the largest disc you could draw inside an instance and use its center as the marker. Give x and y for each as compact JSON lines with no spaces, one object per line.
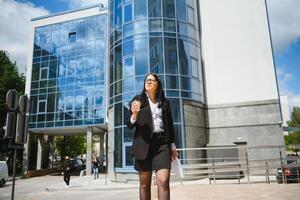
{"x":68,"y":86}
{"x":160,"y":36}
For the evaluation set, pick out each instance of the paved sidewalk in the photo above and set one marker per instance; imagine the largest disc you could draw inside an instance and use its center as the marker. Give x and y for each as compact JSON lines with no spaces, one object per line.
{"x":189,"y":190}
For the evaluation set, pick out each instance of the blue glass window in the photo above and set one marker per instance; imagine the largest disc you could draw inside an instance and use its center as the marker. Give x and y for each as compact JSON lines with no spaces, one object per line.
{"x":128,"y":30}
{"x":140,"y":9}
{"x":191,"y":15}
{"x":118,"y":11}
{"x":141,"y":56}
{"x":128,"y":85}
{"x":128,"y":48}
{"x":181,"y":10}
{"x":128,"y":13}
{"x":128,"y":67}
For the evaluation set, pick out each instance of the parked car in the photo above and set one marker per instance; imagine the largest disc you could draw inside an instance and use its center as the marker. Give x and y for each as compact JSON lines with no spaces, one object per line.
{"x":291,"y":170}
{"x":3,"y":173}
{"x":77,"y":164}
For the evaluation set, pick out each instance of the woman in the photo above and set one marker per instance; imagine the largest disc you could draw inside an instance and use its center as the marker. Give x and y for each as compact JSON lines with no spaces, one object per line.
{"x":153,"y":143}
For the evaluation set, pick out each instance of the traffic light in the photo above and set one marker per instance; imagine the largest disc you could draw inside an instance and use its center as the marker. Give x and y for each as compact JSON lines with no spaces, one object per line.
{"x":22,"y":120}
{"x":12,"y":105}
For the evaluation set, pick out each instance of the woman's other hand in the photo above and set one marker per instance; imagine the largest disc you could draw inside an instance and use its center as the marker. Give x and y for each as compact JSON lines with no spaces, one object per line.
{"x":174,"y":154}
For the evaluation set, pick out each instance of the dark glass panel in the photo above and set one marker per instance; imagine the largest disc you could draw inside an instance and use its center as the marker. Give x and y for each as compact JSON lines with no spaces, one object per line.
{"x":155,"y":25}
{"x":118,"y":63}
{"x":185,"y":83}
{"x":118,"y":147}
{"x":154,"y":7}
{"x":183,"y":57}
{"x":156,"y":55}
{"x":169,"y":25}
{"x":175,"y":109}
{"x":168,"y":8}
{"x":51,"y":102}
{"x":172,"y":82}
{"x":170,"y":56}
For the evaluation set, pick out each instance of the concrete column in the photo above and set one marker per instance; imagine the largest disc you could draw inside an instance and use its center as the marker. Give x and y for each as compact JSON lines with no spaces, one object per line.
{"x":89,"y":141}
{"x":39,"y":153}
{"x":101,"y":150}
{"x":26,"y":153}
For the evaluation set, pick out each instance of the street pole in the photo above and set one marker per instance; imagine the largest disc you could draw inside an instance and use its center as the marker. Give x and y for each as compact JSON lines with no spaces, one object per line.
{"x":16,"y":126}
{"x":14,"y":175}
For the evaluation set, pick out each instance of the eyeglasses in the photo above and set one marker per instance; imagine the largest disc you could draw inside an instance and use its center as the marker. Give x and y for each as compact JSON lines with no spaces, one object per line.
{"x":150,"y":80}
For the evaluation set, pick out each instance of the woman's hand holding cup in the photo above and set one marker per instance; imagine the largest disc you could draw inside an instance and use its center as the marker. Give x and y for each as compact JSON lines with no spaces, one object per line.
{"x":135,"y":108}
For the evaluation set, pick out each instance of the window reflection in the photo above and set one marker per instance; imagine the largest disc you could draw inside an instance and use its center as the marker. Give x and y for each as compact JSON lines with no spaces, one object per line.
{"x":140,"y":9}
{"x":71,"y":53}
{"x":141,"y":56}
{"x":154,"y":8}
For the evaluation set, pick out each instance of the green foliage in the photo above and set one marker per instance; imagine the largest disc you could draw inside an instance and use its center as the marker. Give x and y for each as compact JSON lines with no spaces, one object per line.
{"x":9,"y":79}
{"x":295,"y":118}
{"x":71,"y":146}
{"x":293,"y":138}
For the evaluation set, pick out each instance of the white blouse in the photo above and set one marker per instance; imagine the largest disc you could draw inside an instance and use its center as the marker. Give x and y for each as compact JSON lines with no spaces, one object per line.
{"x":158,"y":125}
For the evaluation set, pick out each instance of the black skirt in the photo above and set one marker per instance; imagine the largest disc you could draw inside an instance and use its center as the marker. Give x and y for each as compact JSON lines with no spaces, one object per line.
{"x":158,"y":157}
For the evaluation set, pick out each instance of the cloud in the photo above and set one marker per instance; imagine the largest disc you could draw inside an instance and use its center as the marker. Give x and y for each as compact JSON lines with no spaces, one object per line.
{"x":75,"y":4}
{"x":284,"y":80}
{"x":15,"y":29}
{"x":284,"y":22}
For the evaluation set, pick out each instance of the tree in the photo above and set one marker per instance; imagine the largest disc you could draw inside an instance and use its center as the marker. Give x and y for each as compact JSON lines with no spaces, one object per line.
{"x":70,"y":146}
{"x":9,"y":79}
{"x":293,"y":138}
{"x":295,"y":118}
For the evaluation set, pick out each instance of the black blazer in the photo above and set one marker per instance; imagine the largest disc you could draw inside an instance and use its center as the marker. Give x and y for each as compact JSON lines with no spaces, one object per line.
{"x":144,"y":128}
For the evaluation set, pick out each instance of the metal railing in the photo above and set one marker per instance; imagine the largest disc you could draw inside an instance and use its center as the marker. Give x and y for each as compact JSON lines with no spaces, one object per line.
{"x":238,"y":163}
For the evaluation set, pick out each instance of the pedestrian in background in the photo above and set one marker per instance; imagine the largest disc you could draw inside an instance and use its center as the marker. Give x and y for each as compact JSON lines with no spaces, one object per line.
{"x":153,"y":144}
{"x":95,"y":164}
{"x":67,"y":171}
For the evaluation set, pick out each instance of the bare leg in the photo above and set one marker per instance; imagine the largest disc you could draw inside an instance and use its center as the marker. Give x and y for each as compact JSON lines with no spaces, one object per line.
{"x":145,"y":185}
{"x":163,"y":184}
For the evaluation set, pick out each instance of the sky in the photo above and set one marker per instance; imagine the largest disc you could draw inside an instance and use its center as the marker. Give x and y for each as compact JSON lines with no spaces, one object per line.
{"x":284,"y":20}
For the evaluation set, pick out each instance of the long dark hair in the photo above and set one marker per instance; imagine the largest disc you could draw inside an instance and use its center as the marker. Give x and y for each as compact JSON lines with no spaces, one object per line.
{"x":159,"y":95}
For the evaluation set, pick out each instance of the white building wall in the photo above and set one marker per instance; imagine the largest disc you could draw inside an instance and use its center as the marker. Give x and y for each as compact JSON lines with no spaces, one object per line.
{"x":237,"y":52}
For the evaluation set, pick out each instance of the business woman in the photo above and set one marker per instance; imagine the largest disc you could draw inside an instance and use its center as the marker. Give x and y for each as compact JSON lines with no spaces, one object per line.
{"x":153,"y":143}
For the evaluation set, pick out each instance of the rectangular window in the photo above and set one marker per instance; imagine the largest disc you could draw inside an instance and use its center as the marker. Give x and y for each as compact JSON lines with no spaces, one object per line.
{"x":128,"y":48}
{"x":42,"y":106}
{"x":72,"y":37}
{"x":128,"y":13}
{"x":128,"y":67}
{"x":191,"y":16}
{"x":194,"y":63}
{"x":43,"y":73}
